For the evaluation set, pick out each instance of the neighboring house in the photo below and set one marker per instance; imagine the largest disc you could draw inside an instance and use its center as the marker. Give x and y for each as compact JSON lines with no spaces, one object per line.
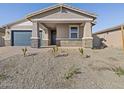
{"x":2,"y":33}
{"x":60,"y":25}
{"x":111,"y":37}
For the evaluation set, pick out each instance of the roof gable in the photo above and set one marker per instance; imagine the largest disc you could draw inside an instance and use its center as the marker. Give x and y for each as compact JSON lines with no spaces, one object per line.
{"x":56,"y":13}
{"x":61,"y":6}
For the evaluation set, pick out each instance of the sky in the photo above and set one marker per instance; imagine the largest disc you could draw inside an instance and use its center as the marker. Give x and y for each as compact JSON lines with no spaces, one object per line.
{"x":108,"y":15}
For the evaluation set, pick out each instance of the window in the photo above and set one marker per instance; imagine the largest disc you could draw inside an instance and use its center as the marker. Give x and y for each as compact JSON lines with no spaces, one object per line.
{"x":74,"y":31}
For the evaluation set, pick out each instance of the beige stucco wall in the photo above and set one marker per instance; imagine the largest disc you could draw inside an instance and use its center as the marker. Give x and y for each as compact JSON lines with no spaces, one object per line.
{"x":63,"y":35}
{"x":112,"y":39}
{"x":63,"y":30}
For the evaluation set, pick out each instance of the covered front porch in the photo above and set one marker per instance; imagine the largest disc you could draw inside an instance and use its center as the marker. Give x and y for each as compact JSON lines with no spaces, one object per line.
{"x":62,"y":32}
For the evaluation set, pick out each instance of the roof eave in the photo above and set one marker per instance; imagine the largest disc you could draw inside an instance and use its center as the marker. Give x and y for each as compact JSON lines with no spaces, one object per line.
{"x":40,"y":11}
{"x":109,"y":29}
{"x":81,"y":11}
{"x":12,"y":23}
{"x":61,"y":5}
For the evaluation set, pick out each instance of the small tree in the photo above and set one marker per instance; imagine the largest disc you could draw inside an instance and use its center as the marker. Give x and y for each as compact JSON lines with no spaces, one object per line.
{"x":24,"y":50}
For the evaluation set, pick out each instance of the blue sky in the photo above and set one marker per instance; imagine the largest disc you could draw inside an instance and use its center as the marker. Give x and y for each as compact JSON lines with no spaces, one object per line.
{"x":108,"y":14}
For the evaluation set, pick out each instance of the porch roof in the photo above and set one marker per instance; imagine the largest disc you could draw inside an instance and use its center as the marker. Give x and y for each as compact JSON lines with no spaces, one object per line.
{"x":77,"y":20}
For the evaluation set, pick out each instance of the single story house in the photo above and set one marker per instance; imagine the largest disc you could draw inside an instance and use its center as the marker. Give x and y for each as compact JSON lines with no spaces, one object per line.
{"x":111,"y":37}
{"x":61,"y":25}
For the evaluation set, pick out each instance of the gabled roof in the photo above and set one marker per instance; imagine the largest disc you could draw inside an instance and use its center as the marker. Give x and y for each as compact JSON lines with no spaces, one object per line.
{"x":114,"y":28}
{"x":61,"y":5}
{"x":12,"y":23}
{"x":47,"y":9}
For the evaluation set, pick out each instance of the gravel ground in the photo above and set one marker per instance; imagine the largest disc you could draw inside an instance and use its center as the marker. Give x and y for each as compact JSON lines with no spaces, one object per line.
{"x":43,"y":69}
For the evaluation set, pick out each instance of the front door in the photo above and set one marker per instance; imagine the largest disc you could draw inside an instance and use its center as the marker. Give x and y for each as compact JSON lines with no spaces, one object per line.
{"x":53,"y":37}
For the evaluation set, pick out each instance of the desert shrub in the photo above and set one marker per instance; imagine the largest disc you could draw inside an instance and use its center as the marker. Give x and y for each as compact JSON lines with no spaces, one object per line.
{"x":119,"y":71}
{"x":24,"y":50}
{"x":3,"y":76}
{"x":55,"y":50}
{"x":81,"y":50}
{"x":71,"y":72}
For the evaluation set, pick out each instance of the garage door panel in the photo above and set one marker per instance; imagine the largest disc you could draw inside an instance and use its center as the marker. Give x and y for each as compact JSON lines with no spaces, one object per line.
{"x":21,"y":38}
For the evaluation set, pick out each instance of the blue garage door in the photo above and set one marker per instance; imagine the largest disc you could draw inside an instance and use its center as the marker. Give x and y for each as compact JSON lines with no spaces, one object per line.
{"x":21,"y":37}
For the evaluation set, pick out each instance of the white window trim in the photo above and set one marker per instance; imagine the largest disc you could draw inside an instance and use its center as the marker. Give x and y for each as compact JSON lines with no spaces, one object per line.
{"x":70,"y":31}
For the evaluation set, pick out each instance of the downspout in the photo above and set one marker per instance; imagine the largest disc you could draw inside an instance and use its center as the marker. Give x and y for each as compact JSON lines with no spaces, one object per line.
{"x":122,"y":32}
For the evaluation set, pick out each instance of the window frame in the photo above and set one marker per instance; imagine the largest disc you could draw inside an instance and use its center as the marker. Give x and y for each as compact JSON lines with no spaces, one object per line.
{"x":70,"y":26}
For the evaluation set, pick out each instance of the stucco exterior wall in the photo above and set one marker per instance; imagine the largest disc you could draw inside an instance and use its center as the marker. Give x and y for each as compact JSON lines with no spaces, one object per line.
{"x":63,"y":35}
{"x":111,"y":39}
{"x":63,"y":30}
{"x":71,"y":42}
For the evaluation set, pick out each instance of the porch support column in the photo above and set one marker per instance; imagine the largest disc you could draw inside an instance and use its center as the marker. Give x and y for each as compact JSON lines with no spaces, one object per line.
{"x":35,"y":36}
{"x":7,"y":37}
{"x":87,"y":39}
{"x":45,"y":35}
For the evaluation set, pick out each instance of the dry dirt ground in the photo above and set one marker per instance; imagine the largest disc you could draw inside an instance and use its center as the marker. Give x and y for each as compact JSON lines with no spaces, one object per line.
{"x":42,"y":68}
